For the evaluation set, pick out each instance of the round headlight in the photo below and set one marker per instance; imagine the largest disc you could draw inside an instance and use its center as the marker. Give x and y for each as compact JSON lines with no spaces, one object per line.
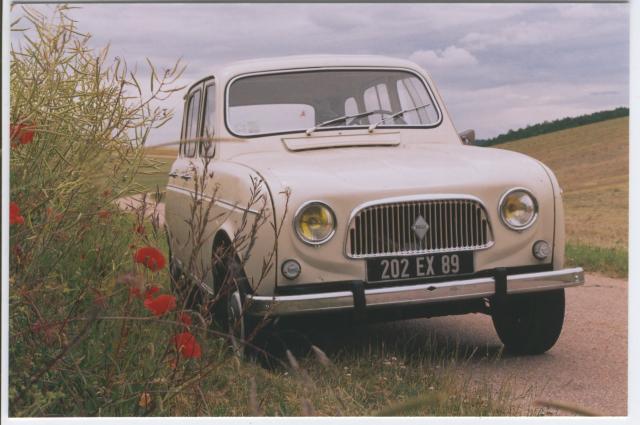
{"x":315,"y":223}
{"x":518,"y":209}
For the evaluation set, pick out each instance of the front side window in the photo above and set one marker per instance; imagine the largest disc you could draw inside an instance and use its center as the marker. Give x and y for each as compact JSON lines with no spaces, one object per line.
{"x":296,"y":101}
{"x":209,"y":120}
{"x":191,"y":128}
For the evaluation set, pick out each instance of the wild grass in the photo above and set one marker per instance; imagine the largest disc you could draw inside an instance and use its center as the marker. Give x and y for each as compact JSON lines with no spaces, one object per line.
{"x":609,"y":261}
{"x":367,"y":381}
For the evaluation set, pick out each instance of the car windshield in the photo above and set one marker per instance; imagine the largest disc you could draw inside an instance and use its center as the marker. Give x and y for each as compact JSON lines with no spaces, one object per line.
{"x":314,"y":100}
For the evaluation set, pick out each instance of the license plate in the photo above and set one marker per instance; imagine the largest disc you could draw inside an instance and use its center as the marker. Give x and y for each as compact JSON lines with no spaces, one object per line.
{"x":419,"y":266}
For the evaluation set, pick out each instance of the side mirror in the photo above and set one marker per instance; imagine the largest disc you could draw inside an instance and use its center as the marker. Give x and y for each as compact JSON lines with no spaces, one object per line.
{"x":468,"y":137}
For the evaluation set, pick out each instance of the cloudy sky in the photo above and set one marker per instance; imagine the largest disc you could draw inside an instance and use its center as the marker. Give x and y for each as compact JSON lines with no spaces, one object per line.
{"x":498,"y":66}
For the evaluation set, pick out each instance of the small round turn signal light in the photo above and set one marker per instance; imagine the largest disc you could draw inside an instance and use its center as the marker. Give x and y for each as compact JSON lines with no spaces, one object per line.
{"x":541,"y":250}
{"x":291,"y":269}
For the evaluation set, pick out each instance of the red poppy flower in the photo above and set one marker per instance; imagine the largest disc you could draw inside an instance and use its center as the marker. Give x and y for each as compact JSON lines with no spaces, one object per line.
{"x":185,"y":318}
{"x":21,"y":134}
{"x":150,"y":257}
{"x":187,"y":345}
{"x":149,"y":292}
{"x":14,"y":214}
{"x":161,"y":304}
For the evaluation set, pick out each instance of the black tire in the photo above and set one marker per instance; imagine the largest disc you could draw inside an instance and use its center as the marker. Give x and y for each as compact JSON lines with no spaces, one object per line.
{"x":230,"y":289}
{"x":529,"y":323}
{"x":188,"y":294}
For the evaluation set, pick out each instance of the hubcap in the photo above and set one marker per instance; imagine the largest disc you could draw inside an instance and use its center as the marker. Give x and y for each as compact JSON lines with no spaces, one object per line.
{"x":235,"y":324}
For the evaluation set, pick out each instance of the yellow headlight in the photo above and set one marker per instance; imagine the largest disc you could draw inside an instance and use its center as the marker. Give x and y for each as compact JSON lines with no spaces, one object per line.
{"x":315,"y":223}
{"x":518,"y":209}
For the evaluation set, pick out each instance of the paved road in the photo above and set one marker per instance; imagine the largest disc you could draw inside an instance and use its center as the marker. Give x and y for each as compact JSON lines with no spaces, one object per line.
{"x":587,"y":367}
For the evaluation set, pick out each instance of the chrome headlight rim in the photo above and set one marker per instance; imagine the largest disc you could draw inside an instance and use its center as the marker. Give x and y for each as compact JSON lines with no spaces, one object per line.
{"x":534,"y":217}
{"x":296,"y":222}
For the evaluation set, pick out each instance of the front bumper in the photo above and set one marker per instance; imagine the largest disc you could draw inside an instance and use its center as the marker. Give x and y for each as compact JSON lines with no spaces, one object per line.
{"x":398,"y":296}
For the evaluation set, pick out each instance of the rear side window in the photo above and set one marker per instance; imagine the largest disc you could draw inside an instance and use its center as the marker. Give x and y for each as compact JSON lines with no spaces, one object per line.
{"x":208,"y":131}
{"x":191,"y":128}
{"x":412,"y":94}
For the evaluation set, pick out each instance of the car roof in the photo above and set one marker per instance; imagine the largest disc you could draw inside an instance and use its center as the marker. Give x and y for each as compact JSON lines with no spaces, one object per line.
{"x":227,"y":71}
{"x":312,"y":61}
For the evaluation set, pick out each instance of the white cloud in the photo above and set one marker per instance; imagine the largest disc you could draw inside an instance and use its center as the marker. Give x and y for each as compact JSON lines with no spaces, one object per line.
{"x":573,"y":23}
{"x":527,"y":61}
{"x":450,"y":57}
{"x":518,"y":34}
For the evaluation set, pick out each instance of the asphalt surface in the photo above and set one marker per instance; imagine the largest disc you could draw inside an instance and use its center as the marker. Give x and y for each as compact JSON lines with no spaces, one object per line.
{"x":587,"y":367}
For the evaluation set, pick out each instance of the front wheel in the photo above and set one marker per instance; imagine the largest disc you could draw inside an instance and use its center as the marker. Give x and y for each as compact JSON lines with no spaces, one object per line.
{"x":231,"y":287}
{"x":529,"y":323}
{"x":181,"y":285}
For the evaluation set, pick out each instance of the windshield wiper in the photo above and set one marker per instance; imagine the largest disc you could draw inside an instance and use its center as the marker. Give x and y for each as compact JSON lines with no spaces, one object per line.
{"x":396,"y":115}
{"x":338,"y":119}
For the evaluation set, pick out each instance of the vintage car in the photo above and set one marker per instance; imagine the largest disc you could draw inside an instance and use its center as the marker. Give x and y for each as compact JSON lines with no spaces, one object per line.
{"x":339,"y":184}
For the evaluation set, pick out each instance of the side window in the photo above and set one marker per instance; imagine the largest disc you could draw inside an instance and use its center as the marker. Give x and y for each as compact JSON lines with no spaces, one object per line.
{"x":191,"y":128}
{"x":185,"y":113}
{"x":207,"y":147}
{"x":376,"y":97}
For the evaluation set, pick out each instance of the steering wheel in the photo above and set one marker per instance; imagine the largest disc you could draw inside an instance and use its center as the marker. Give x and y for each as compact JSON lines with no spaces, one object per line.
{"x":373,"y":112}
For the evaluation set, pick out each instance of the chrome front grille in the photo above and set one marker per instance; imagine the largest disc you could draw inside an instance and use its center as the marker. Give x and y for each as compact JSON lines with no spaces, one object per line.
{"x":418,"y":227}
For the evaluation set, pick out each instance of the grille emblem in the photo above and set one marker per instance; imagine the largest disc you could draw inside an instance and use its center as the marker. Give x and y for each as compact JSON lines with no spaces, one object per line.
{"x":420,"y":227}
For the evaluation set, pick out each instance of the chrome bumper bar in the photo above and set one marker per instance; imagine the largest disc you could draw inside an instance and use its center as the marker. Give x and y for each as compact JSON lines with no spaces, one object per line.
{"x":282,"y":305}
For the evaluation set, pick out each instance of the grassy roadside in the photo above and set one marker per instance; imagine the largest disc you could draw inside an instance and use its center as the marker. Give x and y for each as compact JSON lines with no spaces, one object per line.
{"x":609,"y":261}
{"x":368,"y":381}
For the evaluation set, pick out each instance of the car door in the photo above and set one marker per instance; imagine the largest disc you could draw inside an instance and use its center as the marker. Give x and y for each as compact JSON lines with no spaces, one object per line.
{"x":180,"y":188}
{"x":203,"y":183}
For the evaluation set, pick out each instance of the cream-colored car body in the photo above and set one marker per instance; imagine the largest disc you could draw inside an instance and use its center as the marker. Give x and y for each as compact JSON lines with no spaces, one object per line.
{"x":346,"y":168}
